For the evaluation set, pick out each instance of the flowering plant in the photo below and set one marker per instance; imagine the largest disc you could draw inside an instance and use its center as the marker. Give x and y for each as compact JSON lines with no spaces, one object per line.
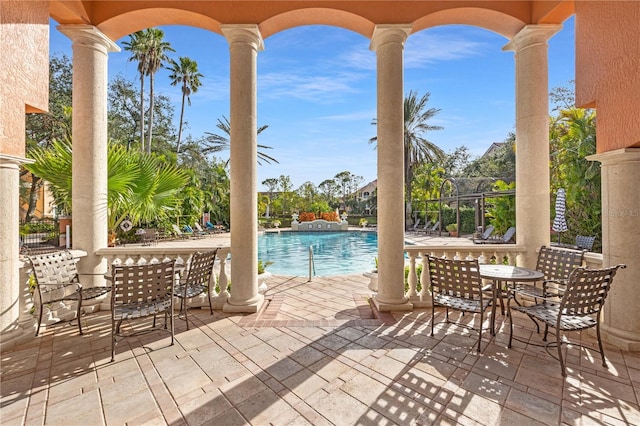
{"x":307,"y":217}
{"x":330,"y":216}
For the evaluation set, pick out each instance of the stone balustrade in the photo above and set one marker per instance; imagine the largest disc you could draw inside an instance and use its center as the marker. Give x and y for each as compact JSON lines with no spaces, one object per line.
{"x":418,"y":293}
{"x":142,"y":255}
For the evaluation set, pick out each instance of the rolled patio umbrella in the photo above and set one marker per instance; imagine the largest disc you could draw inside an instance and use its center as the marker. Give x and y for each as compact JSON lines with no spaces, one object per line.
{"x":559,"y":222}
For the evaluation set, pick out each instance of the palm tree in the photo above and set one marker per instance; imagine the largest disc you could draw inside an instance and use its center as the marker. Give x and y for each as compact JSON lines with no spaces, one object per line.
{"x":156,"y":57}
{"x":139,"y":186}
{"x":137,"y":46}
{"x":417,"y":149}
{"x":185,"y":72}
{"x":217,"y":143}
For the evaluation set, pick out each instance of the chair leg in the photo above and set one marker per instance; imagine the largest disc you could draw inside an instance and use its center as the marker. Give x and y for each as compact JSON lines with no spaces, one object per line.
{"x":433,"y":316}
{"x":562,"y":368}
{"x":480,"y":330}
{"x":170,"y":313}
{"x":184,"y":308}
{"x":546,"y":332}
{"x":210,"y":305}
{"x":78,"y":314}
{"x":39,"y":318}
{"x":114,"y":328}
{"x":510,"y":315}
{"x":604,"y":362}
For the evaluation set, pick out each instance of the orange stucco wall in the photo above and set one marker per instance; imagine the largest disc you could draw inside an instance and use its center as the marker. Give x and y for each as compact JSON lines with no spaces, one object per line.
{"x":608,"y":69}
{"x":24,"y":64}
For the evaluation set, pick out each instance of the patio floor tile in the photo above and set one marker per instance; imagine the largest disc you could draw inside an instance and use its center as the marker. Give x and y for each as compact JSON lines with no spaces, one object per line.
{"x":318,"y":354}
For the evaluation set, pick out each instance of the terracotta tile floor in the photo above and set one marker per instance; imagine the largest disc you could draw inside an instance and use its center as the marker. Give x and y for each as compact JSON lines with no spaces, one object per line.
{"x":317,"y":354}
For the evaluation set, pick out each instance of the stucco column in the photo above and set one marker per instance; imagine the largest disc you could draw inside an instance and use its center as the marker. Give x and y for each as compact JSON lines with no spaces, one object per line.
{"x":89,"y":200}
{"x":388,"y":42}
{"x":11,"y":297}
{"x":621,"y":244}
{"x":244,"y":43}
{"x":532,"y":138}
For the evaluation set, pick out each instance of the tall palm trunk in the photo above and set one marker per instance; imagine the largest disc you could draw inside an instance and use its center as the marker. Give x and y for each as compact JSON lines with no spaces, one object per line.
{"x":151,"y":102}
{"x":141,"y":111}
{"x":184,"y":96}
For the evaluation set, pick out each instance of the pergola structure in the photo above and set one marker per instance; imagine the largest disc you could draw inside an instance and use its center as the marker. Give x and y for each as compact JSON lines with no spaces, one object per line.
{"x":607,"y":70}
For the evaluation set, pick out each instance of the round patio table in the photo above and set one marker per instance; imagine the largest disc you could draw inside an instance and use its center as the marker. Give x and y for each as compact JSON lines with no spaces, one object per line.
{"x":502,"y":274}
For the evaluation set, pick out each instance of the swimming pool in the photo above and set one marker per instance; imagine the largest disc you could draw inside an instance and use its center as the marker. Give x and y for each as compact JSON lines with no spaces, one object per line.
{"x":335,"y":253}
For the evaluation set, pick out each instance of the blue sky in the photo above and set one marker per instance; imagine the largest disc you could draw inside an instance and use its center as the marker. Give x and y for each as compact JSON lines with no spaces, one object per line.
{"x":317,"y":91}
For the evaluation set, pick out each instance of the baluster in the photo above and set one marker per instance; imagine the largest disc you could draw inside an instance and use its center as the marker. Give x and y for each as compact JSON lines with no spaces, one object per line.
{"x":221,"y":298}
{"x":412,"y":275}
{"x":424,"y":278}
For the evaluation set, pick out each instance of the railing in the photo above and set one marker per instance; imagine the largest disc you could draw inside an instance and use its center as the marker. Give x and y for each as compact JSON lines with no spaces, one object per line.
{"x":418,"y":281}
{"x":220,"y":280}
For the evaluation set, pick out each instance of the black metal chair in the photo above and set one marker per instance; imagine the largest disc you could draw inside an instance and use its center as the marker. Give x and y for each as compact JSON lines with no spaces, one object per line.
{"x":140,"y":291}
{"x":56,"y":277}
{"x":585,"y":242}
{"x":578,"y":309}
{"x":197,"y":281}
{"x":556,"y":264}
{"x":456,"y":284}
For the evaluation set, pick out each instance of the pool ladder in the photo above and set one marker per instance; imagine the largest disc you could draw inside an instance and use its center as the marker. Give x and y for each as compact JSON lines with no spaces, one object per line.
{"x":312,"y":264}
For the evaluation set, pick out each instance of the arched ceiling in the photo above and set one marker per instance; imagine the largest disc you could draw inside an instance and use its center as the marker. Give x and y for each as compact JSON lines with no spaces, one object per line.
{"x":117,"y":19}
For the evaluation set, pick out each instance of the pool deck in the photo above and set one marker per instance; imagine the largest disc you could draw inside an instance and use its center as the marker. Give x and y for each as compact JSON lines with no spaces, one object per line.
{"x":316,"y":354}
{"x":224,"y":239}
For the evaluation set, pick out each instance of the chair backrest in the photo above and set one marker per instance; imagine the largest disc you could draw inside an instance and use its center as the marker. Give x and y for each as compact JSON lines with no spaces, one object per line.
{"x":508,"y":236}
{"x":209,"y":225}
{"x":585,"y":242}
{"x":198,"y":227}
{"x":427,"y":225}
{"x":415,"y":225}
{"x":587,"y":290}
{"x":456,"y":278}
{"x":53,"y":272}
{"x":487,"y":232}
{"x":176,"y":229}
{"x":556,"y":263}
{"x":140,"y":284}
{"x":436,"y":226}
{"x":201,"y":267}
{"x":188,"y":229}
{"x":54,"y":268}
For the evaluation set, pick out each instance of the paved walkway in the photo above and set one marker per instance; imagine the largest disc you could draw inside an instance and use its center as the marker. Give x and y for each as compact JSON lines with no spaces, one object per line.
{"x":317,"y":354}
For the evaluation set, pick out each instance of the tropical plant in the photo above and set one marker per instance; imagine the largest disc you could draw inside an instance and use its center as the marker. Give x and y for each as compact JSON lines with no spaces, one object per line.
{"x":157,"y":50}
{"x":150,"y":50}
{"x":263,"y":265}
{"x":502,"y":211}
{"x":185,"y":72}
{"x":139,"y":187}
{"x":137,"y":46}
{"x":218,"y":143}
{"x":572,"y":139}
{"x":417,"y":149}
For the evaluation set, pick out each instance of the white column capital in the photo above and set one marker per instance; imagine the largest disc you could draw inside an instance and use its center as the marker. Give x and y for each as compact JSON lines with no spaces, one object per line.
{"x":12,"y":161}
{"x":243,"y":33}
{"x":78,"y":32}
{"x":532,"y":35}
{"x":618,"y":156}
{"x":390,"y":33}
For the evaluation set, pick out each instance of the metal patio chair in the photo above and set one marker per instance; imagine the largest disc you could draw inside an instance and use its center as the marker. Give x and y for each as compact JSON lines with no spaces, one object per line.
{"x":585,"y":242}
{"x":456,"y":284}
{"x":140,"y":291}
{"x":556,"y":264}
{"x":578,"y":309}
{"x":197,"y":281}
{"x":57,"y":280}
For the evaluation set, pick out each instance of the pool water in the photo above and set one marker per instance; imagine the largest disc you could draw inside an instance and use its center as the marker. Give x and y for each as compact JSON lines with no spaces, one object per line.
{"x":335,"y":253}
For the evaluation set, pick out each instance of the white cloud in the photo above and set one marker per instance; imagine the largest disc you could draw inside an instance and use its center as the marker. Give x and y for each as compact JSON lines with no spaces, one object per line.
{"x":424,"y":49}
{"x":305,"y":85}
